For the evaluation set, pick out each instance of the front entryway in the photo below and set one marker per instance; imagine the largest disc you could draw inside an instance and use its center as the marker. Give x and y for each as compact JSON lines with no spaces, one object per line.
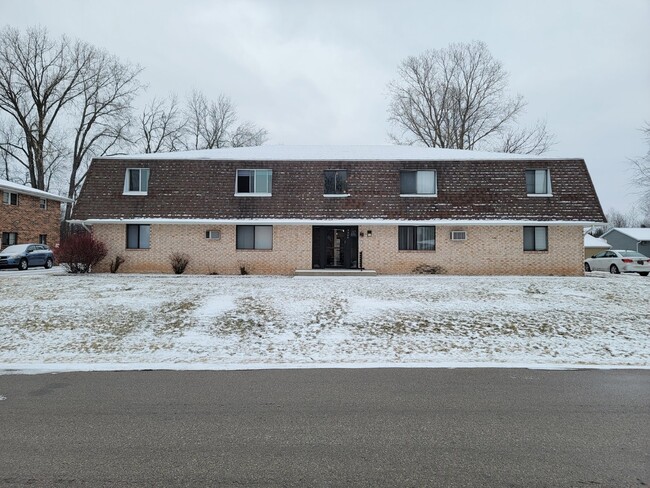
{"x":335,"y":247}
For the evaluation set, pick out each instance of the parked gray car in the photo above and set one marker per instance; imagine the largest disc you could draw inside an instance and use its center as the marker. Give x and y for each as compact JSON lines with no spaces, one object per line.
{"x":23,"y":256}
{"x":619,"y":261}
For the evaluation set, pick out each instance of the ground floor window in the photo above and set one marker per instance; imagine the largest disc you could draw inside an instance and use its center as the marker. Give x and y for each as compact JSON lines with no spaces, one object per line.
{"x":138,"y":236}
{"x":417,"y":238}
{"x":9,"y":238}
{"x":254,"y":237}
{"x":42,"y":239}
{"x":535,"y":238}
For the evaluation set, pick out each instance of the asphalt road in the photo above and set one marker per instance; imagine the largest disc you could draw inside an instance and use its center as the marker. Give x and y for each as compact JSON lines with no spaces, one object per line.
{"x":359,"y":427}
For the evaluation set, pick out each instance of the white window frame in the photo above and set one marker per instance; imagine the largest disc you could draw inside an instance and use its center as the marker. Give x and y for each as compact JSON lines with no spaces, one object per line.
{"x":253,"y":193}
{"x":6,"y":198}
{"x":42,"y":203}
{"x":213,"y":235}
{"x":419,"y":195}
{"x":549,"y":188}
{"x":127,"y":181}
{"x":454,"y":235}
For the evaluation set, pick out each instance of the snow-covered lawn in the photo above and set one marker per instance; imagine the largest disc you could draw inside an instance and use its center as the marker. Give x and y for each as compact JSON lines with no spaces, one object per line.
{"x":73,"y":322}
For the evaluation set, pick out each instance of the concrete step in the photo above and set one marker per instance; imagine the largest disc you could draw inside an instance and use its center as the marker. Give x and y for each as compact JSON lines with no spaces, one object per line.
{"x":335,"y":272}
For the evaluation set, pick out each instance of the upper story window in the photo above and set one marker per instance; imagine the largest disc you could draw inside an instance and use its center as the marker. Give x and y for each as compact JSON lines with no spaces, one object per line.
{"x":136,"y":181}
{"x":336,"y":182}
{"x":9,"y":198}
{"x":536,"y":238}
{"x":254,"y":182}
{"x":42,"y":203}
{"x":417,"y":238}
{"x":538,"y":182}
{"x":418,"y":183}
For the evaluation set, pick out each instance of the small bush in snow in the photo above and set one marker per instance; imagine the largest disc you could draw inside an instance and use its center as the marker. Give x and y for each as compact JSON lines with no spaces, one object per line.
{"x":115,"y":264}
{"x":79,"y":252}
{"x":179,"y":262}
{"x":243,"y":270}
{"x":428,"y":269}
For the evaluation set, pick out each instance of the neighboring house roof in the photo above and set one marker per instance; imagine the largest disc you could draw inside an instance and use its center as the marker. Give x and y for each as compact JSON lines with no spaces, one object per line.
{"x":472,"y":186}
{"x":27,"y":190}
{"x":336,"y":153}
{"x":636,"y":233}
{"x":591,"y":241}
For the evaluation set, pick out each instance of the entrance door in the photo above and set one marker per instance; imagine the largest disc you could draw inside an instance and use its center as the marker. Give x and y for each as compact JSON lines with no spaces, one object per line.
{"x":335,"y":247}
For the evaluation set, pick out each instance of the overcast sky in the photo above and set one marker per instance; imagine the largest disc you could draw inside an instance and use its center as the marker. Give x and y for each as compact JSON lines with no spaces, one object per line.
{"x":315,"y":72}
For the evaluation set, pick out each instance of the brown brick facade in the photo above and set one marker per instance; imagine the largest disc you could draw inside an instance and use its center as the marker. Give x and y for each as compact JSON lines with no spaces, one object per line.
{"x":467,"y":190}
{"x":29,"y":221}
{"x":488,"y":250}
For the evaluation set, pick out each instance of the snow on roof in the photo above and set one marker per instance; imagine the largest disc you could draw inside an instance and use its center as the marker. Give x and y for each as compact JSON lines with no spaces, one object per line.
{"x":18,"y":188}
{"x":338,"y":153}
{"x":591,"y":241}
{"x":636,"y":233}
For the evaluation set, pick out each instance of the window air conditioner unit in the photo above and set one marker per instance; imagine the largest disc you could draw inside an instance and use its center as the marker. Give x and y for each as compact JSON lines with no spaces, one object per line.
{"x":458,"y":235}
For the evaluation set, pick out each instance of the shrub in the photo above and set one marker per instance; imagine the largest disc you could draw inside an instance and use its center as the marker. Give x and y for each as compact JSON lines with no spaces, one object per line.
{"x":79,"y":252}
{"x":115,"y":264}
{"x":428,"y":269}
{"x":179,"y":262}
{"x":243,"y":270}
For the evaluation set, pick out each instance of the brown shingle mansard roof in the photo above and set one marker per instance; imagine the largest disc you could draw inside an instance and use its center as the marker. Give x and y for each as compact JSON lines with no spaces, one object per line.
{"x":471,"y":186}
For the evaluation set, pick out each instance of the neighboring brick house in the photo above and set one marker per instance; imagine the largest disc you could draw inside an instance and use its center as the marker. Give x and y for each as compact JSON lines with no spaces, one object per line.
{"x":28,"y":215}
{"x":278,"y":209}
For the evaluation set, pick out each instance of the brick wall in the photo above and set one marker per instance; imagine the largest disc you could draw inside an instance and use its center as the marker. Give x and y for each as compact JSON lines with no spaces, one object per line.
{"x":29,"y":220}
{"x":291,"y":250}
{"x":487,"y":250}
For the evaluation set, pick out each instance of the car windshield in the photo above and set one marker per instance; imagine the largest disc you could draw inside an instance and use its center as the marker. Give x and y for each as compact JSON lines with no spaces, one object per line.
{"x":631,"y":254}
{"x":15,"y":249}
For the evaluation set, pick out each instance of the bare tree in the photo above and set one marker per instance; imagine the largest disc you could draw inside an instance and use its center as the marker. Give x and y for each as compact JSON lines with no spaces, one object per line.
{"x":102,"y":113}
{"x":39,"y":77}
{"x":616,"y":218}
{"x":214,"y":124}
{"x":642,"y":174}
{"x":456,"y":98}
{"x":161,"y":127}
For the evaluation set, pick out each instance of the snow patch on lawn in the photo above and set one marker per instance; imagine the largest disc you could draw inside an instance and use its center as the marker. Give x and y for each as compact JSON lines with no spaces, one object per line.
{"x":121,"y":321}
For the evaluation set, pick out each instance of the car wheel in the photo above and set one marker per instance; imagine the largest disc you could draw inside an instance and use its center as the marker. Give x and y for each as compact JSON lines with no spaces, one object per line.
{"x":645,"y":273}
{"x":22,"y":265}
{"x":587,"y":267}
{"x":614,"y":269}
{"x":48,"y":263}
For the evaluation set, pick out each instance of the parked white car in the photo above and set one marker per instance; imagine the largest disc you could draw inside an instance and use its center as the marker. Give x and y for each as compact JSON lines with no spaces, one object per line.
{"x":619,"y":261}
